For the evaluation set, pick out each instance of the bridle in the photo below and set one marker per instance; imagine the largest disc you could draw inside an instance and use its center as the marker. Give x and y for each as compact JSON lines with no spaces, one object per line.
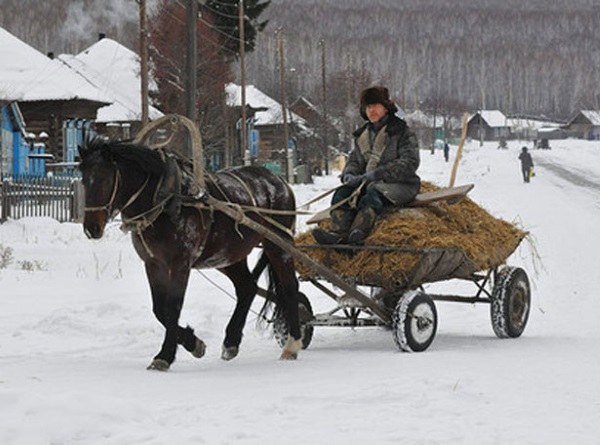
{"x":108,"y":207}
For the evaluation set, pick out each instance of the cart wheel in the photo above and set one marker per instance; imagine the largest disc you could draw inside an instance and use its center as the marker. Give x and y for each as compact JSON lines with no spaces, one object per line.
{"x":511,"y":301}
{"x":414,"y":321}
{"x":280,"y":326}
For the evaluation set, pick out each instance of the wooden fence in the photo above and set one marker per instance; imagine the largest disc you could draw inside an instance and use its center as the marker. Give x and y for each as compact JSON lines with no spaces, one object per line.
{"x":58,"y":198}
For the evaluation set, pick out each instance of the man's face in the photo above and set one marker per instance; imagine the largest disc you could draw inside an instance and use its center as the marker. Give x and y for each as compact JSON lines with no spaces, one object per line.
{"x":375,"y":112}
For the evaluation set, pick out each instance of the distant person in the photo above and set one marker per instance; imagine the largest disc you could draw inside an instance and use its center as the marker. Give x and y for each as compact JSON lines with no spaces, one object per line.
{"x":526,"y":164}
{"x":383,"y":164}
{"x":446,"y":151}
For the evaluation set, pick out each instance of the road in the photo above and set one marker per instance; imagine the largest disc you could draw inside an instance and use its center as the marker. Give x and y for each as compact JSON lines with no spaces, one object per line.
{"x":575,"y":177}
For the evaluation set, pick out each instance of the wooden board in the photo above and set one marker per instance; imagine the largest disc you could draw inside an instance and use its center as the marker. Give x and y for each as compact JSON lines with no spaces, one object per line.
{"x":451,"y":195}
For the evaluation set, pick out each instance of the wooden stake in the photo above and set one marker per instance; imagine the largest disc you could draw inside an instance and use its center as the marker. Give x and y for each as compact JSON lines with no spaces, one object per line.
{"x":463,"y":136}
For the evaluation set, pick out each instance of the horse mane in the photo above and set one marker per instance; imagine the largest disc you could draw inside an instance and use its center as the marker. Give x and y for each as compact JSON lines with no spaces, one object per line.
{"x":150,"y":161}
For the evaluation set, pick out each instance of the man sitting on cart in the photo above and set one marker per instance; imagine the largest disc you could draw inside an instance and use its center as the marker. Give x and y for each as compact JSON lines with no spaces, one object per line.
{"x":382,"y":166}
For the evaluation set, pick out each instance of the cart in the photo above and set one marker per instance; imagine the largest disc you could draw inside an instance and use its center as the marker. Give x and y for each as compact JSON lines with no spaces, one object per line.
{"x":398,"y":301}
{"x":405,"y":307}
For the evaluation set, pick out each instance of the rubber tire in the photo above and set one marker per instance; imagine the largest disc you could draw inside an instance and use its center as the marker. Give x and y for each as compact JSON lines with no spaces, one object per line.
{"x":408,"y":335}
{"x":511,"y":302}
{"x":280,"y":325}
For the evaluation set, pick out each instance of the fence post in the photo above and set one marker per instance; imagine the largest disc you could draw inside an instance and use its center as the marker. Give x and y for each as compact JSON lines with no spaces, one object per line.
{"x":78,"y":202}
{"x":4,"y":202}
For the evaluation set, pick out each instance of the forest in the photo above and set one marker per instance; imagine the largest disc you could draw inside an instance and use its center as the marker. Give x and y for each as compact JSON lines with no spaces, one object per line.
{"x":539,"y":57}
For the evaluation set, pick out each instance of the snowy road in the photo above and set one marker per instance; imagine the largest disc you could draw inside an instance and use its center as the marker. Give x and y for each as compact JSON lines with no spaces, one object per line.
{"x":77,"y":331}
{"x":574,"y":176}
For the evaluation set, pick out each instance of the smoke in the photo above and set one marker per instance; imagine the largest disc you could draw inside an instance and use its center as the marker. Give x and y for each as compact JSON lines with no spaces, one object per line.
{"x":85,"y":19}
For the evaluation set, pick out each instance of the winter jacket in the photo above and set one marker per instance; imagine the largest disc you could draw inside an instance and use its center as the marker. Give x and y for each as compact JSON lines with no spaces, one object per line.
{"x":526,"y":161}
{"x":393,"y":155}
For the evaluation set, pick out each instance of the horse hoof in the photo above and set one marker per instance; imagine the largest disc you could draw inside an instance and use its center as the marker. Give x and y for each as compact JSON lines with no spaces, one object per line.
{"x":200,"y":349}
{"x":228,"y":353}
{"x":291,"y":349}
{"x":158,"y":364}
{"x":288,"y":355}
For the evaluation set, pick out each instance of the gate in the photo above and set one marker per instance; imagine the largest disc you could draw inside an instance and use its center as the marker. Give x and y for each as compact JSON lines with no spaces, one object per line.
{"x":30,"y":196}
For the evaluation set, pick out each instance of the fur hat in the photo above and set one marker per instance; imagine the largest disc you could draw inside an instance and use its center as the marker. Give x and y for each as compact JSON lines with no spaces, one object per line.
{"x":376,"y":95}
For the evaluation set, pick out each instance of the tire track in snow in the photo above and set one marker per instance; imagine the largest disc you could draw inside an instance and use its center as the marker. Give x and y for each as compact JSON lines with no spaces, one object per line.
{"x":572,"y":176}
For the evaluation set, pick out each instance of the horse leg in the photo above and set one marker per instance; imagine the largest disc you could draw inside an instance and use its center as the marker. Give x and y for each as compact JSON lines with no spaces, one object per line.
{"x":168,"y":290}
{"x":286,"y":289}
{"x":245,"y":290}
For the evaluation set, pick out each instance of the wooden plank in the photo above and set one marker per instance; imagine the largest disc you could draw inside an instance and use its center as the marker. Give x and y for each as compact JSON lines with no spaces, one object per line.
{"x":451,"y":195}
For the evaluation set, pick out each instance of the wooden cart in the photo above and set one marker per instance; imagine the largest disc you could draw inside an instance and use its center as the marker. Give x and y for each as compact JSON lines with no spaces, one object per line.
{"x":406,"y":308}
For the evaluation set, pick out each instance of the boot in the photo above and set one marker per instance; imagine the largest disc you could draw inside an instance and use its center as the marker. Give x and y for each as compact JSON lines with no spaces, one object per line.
{"x":362,"y":225}
{"x":341,"y":219}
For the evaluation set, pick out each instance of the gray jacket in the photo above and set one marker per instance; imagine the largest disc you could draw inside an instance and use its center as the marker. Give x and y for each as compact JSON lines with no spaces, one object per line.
{"x":394,"y":155}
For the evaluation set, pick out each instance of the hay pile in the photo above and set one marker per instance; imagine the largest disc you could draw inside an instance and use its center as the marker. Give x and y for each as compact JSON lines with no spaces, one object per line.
{"x":474,"y":239}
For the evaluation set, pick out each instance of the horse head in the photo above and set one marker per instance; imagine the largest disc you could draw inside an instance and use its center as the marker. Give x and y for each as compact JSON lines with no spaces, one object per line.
{"x":108,"y":172}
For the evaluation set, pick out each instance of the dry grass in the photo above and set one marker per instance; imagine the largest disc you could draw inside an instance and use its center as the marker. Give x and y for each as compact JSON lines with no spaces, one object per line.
{"x":485,"y":240}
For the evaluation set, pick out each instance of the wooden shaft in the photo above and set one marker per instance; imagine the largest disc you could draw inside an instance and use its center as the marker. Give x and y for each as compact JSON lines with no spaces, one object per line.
{"x":303,"y":258}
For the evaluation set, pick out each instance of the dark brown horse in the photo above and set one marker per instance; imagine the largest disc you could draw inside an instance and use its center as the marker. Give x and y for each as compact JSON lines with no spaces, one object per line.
{"x":173,"y":233}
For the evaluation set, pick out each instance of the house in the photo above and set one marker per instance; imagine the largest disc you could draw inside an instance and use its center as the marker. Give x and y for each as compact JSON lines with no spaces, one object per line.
{"x":47,"y":91}
{"x":533,"y":129}
{"x":488,"y":125}
{"x":324,"y":128}
{"x":265,"y":125}
{"x":585,"y":125}
{"x":114,"y":69}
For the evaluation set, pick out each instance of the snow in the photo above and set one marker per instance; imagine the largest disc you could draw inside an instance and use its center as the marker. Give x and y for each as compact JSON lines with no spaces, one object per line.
{"x":494,"y":118}
{"x":28,"y":75}
{"x":255,"y":98}
{"x":77,"y":330}
{"x":114,"y":69}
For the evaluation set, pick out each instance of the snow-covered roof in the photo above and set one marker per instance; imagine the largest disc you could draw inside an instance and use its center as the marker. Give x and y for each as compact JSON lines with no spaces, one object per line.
{"x":114,"y":70}
{"x":592,"y":115}
{"x":494,"y":118}
{"x":533,"y":124}
{"x":418,"y":118}
{"x":257,"y":99}
{"x":28,"y":75}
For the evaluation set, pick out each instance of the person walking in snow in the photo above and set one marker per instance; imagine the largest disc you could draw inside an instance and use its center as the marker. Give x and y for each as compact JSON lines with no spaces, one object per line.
{"x":446,"y":151}
{"x":526,"y":164}
{"x":383,"y":165}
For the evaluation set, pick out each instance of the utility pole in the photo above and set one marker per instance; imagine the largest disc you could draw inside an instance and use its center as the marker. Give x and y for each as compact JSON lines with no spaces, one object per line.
{"x":325,"y":116}
{"x":245,"y":153}
{"x":286,"y":137}
{"x":144,"y":61}
{"x":190,"y":67}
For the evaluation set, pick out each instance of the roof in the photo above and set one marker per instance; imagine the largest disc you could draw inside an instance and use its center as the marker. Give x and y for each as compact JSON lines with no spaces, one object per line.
{"x":591,"y":115}
{"x":494,"y":118}
{"x":532,"y":124}
{"x":28,"y":75}
{"x":114,"y":70}
{"x":257,"y":99}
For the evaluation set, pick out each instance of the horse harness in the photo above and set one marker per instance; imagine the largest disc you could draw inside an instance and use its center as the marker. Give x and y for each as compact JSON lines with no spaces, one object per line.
{"x":176,"y":188}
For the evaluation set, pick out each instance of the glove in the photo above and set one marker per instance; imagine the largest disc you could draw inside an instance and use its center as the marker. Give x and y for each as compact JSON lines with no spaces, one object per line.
{"x":371,"y":176}
{"x":352,"y":180}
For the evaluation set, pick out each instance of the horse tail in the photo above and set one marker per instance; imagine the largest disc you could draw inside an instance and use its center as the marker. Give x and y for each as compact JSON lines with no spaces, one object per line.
{"x":272,"y":307}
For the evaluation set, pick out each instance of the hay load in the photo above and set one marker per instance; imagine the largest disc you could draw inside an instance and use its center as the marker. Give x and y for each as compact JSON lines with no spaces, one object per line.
{"x":412,"y":246}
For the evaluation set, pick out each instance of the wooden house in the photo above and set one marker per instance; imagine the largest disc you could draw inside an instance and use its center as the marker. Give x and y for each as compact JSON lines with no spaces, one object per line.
{"x":488,"y":125}
{"x":326,"y":132}
{"x":266,"y":123}
{"x":585,"y":125}
{"x":48,"y":92}
{"x":115,"y":70}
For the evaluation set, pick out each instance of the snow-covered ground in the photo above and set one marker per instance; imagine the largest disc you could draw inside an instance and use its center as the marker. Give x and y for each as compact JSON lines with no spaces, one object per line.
{"x":77,"y":331}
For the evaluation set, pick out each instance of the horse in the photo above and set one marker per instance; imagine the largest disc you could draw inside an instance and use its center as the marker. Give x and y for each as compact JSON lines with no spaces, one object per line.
{"x":174,"y":233}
